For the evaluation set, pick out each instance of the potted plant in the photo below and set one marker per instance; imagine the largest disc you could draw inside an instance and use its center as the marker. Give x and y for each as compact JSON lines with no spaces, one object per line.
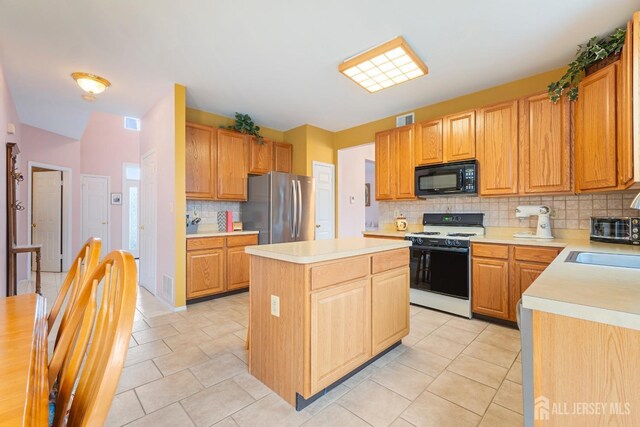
{"x":590,"y":57}
{"x":245,"y":125}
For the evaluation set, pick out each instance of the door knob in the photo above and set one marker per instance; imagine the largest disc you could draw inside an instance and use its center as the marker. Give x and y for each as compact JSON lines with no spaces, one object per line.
{"x":142,"y":227}
{"x":104,"y":223}
{"x":33,"y":225}
{"x":317,"y":225}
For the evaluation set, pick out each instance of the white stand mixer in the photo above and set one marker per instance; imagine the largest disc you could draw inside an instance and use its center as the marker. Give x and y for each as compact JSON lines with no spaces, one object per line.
{"x":543,"y":230}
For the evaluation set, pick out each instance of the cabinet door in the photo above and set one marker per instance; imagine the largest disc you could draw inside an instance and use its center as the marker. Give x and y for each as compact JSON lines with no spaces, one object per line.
{"x":385,"y":165}
{"x":237,"y":268}
{"x":232,"y":165}
{"x":524,"y":274}
{"x":545,"y":145}
{"x":205,"y":272}
{"x":595,"y":127}
{"x":460,"y":137}
{"x":200,"y":162}
{"x":490,"y":287}
{"x":260,"y":156}
{"x":428,"y":143}
{"x":389,"y":308}
{"x":625,"y":116}
{"x":405,"y":164}
{"x":340,"y":331}
{"x":497,"y":128}
{"x":282,"y":153}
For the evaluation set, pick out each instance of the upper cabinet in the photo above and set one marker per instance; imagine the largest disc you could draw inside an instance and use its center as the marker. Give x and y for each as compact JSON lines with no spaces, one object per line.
{"x":395,"y":164}
{"x":260,"y":155}
{"x":497,"y":133}
{"x":429,"y":143}
{"x":282,"y":157}
{"x":595,"y":127}
{"x":232,"y":165}
{"x":625,"y":115}
{"x":460,"y":137}
{"x":200,"y":162}
{"x":545,"y":145}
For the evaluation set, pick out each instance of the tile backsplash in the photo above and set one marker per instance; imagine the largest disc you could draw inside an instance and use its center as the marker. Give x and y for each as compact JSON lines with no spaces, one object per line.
{"x":208,"y":210}
{"x":571,"y":212}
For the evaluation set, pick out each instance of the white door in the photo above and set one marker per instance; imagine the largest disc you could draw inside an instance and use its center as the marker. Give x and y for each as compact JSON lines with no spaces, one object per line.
{"x":148,"y":203}
{"x":47,"y":218}
{"x":95,"y":209}
{"x":324,"y":174}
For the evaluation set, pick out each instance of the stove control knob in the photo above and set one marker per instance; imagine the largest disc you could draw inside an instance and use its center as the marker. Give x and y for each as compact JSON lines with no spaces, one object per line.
{"x":456,"y":243}
{"x":635,"y":236}
{"x":635,"y":230}
{"x":635,"y":221}
{"x":419,"y":241}
{"x":448,"y":242}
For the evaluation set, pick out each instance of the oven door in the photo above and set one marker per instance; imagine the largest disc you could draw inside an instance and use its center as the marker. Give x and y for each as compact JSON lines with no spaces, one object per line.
{"x":440,"y":270}
{"x":439,"y":180}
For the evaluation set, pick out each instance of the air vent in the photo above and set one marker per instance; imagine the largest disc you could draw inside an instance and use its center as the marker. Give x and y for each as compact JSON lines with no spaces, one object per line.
{"x":407,"y":119}
{"x":167,"y":289}
{"x":132,"y":123}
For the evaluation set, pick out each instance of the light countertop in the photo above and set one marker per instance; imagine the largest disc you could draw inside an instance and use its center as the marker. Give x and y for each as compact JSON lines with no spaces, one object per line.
{"x":385,"y":233}
{"x":325,"y":250}
{"x":219,"y":234}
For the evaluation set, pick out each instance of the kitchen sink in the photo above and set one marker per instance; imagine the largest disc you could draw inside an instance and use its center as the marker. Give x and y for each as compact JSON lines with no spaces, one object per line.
{"x":610,"y":260}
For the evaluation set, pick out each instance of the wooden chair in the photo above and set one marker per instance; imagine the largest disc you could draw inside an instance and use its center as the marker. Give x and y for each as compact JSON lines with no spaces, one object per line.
{"x":96,"y":371}
{"x":86,"y":261}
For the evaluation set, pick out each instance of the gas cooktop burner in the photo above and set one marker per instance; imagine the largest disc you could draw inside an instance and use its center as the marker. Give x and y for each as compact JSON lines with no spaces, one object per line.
{"x":461,"y":234}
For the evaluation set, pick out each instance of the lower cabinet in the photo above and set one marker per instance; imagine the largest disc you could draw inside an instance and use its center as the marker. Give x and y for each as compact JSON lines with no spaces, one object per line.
{"x":216,"y":265}
{"x":389,"y":308}
{"x":501,"y":273}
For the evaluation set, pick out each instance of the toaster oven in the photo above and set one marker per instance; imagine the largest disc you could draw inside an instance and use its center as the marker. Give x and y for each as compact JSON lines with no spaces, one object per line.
{"x":624,"y":230}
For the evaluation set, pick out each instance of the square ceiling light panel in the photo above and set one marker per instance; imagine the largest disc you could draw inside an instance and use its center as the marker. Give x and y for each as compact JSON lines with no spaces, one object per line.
{"x":385,"y":65}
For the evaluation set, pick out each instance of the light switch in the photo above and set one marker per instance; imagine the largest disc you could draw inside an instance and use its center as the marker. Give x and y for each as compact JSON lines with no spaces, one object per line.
{"x":275,"y":306}
{"x":352,"y":199}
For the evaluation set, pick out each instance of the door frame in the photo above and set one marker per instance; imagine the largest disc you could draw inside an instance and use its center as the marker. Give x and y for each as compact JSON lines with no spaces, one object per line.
{"x":125,"y":213}
{"x":105,"y":248}
{"x":67,"y":212}
{"x":154,"y":271}
{"x":315,"y":163}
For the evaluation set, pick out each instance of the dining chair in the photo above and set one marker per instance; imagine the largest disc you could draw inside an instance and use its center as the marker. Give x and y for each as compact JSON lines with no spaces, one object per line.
{"x":91,"y":370}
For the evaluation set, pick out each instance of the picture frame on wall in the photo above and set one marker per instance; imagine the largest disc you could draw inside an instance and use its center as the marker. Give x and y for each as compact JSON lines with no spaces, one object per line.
{"x":116,"y":198}
{"x":367,"y":194}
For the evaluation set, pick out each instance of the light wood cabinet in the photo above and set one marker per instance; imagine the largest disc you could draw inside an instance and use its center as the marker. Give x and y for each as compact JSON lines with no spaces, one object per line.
{"x":625,"y":113}
{"x":340,"y":335}
{"x":205,"y":272}
{"x":497,"y":145}
{"x":232,"y":165}
{"x":200,"y":162}
{"x":429,"y":143}
{"x":385,"y":165}
{"x":501,"y":273}
{"x":260,"y":156}
{"x":405,"y":163}
{"x":217,"y":264}
{"x":389,"y":308}
{"x":282,"y":157}
{"x":545,"y":145}
{"x":460,"y":137}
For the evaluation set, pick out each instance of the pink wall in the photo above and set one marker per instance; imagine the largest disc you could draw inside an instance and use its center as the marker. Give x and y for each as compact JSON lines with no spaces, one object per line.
{"x":8,"y":114}
{"x":105,"y":145}
{"x":158,"y":134}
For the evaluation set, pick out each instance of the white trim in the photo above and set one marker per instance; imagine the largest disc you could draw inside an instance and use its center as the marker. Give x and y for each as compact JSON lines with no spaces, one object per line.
{"x":67,"y":212}
{"x":145,"y":155}
{"x":125,"y":212}
{"x":105,"y":248}
{"x":335,"y":188}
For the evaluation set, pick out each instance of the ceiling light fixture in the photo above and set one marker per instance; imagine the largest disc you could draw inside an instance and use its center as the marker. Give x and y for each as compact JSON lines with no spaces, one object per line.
{"x":385,"y":65}
{"x":91,"y":84}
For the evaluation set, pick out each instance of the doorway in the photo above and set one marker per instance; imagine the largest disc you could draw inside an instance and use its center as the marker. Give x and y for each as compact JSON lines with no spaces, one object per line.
{"x":148,"y":221}
{"x":49,"y":216}
{"x":95,"y":209}
{"x":324,"y":174}
{"x":131,"y":208}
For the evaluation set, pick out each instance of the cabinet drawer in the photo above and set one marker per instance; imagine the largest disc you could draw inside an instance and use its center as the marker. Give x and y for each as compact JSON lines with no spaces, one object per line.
{"x":389,"y":260}
{"x":535,"y":254}
{"x":490,"y":251}
{"x":244,"y":240}
{"x":198,"y":243}
{"x":339,"y":272}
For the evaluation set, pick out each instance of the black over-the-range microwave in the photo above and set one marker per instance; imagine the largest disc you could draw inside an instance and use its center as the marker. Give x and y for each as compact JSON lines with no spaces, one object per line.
{"x":447,"y":179}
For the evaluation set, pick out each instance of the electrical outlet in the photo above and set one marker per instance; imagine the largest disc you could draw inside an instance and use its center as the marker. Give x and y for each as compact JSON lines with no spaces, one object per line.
{"x":275,"y":306}
{"x":553,"y":213}
{"x":352,"y":199}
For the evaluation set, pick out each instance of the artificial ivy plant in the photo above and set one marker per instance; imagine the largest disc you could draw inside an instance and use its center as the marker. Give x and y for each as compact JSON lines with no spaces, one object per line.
{"x":589,"y":53}
{"x":244,"y":124}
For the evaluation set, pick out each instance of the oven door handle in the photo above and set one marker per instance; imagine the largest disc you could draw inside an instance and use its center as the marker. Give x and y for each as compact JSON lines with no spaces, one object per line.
{"x":437,"y":248}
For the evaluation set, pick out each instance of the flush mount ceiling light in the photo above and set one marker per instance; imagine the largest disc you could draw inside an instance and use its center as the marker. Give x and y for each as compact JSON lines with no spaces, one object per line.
{"x":91,"y":84}
{"x":385,"y":65}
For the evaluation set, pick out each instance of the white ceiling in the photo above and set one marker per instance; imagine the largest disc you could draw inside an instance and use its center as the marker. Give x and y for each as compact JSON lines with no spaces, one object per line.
{"x":277,"y":60}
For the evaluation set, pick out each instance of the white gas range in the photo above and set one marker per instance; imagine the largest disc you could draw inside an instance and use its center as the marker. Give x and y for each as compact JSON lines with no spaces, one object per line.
{"x":440,"y":262}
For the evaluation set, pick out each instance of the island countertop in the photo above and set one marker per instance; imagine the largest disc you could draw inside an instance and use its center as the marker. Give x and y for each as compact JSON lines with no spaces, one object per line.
{"x":312,"y":251}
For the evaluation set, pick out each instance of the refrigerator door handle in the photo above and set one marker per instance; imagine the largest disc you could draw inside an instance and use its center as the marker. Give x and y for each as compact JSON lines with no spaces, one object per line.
{"x":299,"y":209}
{"x":294,"y":209}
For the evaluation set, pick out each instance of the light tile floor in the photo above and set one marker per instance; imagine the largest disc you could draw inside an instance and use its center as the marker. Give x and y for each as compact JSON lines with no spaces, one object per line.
{"x":189,"y":368}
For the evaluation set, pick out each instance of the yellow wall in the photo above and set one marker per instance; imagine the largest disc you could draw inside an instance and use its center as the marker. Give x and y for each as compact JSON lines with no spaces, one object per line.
{"x":320,"y":147}
{"x":298,"y":138}
{"x":365,"y":133}
{"x":180,"y":206}
{"x":210,"y":119}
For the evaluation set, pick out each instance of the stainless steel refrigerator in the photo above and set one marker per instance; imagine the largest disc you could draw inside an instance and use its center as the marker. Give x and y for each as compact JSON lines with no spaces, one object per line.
{"x":281,"y":207}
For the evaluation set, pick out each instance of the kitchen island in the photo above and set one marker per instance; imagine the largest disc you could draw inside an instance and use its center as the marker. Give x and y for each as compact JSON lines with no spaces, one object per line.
{"x":320,"y":310}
